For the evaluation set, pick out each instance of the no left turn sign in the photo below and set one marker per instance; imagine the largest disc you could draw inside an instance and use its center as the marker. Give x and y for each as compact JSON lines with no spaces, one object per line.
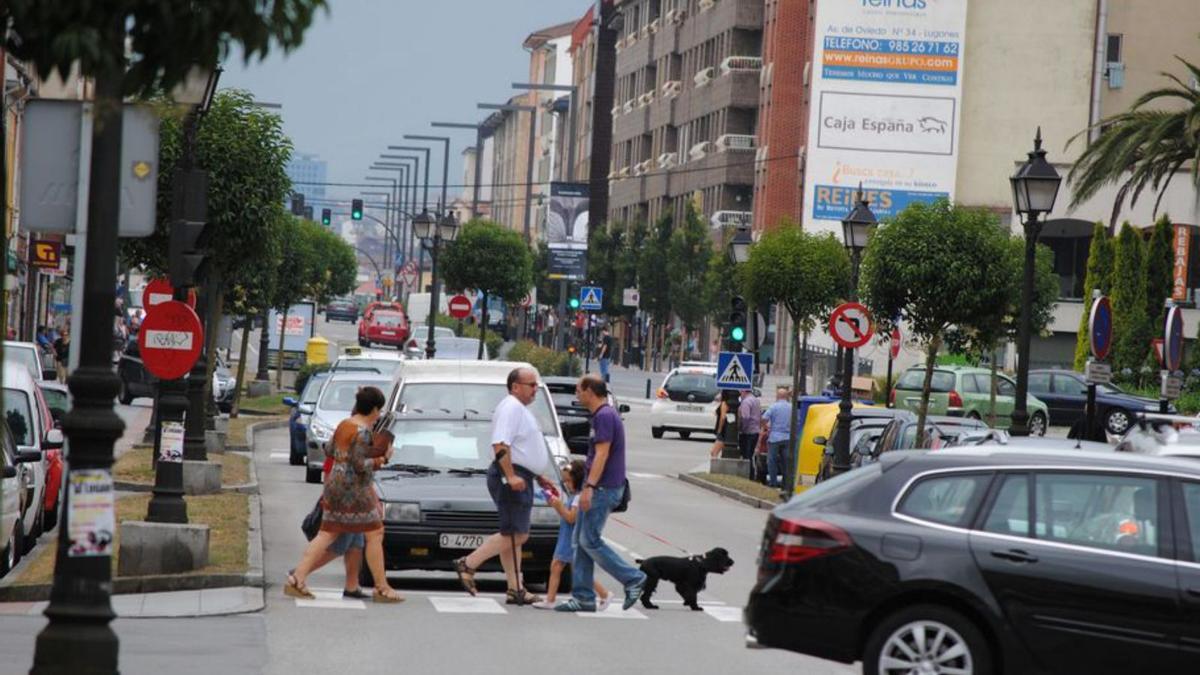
{"x":850,"y":325}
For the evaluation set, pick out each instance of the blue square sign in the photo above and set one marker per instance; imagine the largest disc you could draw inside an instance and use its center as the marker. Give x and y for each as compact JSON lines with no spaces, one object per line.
{"x":735,"y":370}
{"x":591,"y":297}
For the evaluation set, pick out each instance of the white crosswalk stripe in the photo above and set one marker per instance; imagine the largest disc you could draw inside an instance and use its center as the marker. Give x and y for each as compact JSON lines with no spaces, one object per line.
{"x":277,"y":456}
{"x":614,"y":611}
{"x":329,"y":599}
{"x":723,"y":614}
{"x":466,"y":605}
{"x":646,"y":476}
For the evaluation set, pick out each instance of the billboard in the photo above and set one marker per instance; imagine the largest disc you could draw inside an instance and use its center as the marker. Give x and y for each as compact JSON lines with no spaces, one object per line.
{"x":300,"y":327}
{"x":567,"y":230}
{"x":887,"y":92}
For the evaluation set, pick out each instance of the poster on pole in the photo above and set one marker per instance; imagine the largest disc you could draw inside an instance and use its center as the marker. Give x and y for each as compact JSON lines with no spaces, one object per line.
{"x":171,"y":445}
{"x":299,"y":329}
{"x":90,"y":519}
{"x":887,"y":94}
{"x":567,"y":219}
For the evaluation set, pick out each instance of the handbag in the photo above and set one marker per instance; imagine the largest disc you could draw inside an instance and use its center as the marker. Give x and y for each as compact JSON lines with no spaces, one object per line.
{"x":311,"y":524}
{"x":623,"y":506}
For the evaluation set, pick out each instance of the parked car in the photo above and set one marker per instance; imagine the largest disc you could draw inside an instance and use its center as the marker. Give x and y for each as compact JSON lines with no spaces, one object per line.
{"x":383,"y":326}
{"x":302,"y":410}
{"x":573,"y":418}
{"x":58,"y":399}
{"x":1065,"y":393}
{"x":457,"y":349}
{"x":687,"y":401}
{"x":341,"y":310}
{"x":965,"y":391}
{"x":866,"y":426}
{"x":419,"y":333}
{"x":940,"y":430}
{"x":137,"y":382}
{"x":12,"y":499}
{"x":39,"y":364}
{"x":368,"y":360}
{"x":29,"y":420}
{"x":988,"y":560}
{"x":335,"y":400}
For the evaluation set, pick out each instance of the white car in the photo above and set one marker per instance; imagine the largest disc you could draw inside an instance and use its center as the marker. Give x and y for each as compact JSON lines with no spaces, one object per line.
{"x":687,"y":401}
{"x":472,"y":388}
{"x":33,"y":430}
{"x":362,"y":359}
{"x":11,"y":501}
{"x":334,"y":404}
{"x":28,"y":354}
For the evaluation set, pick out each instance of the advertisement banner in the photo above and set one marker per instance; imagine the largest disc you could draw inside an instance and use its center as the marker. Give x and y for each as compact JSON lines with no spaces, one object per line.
{"x":887,"y":90}
{"x":1179,"y":275}
{"x":567,"y":219}
{"x":299,"y":329}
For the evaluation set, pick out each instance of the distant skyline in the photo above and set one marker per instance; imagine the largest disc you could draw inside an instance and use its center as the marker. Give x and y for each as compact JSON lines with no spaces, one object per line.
{"x":370,"y":72}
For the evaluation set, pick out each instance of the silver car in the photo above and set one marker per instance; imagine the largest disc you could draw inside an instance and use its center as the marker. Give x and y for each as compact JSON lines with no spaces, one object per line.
{"x":334,"y":404}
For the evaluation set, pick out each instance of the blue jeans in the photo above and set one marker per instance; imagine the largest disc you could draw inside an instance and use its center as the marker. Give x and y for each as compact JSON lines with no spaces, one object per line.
{"x":590,"y":549}
{"x":777,"y":462}
{"x":605,"y":364}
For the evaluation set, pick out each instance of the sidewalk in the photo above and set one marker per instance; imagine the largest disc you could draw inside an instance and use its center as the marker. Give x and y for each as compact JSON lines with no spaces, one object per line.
{"x":175,"y":604}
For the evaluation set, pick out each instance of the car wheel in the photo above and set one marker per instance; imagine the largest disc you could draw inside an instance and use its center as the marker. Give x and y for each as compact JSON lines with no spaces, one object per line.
{"x":1117,"y":421}
{"x":926,"y":639}
{"x":1037,"y":424}
{"x":312,"y":476}
{"x":124,"y":396}
{"x":656,"y":432}
{"x":12,"y":555}
{"x":685,"y":435}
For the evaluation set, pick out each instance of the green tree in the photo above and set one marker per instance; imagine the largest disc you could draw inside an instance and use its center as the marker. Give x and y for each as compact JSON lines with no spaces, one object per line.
{"x":936,"y":265}
{"x":1131,"y":333}
{"x":805,"y":273}
{"x":338,"y":262}
{"x":654,"y":284}
{"x":490,"y":259}
{"x":1160,"y":270}
{"x":298,"y":274}
{"x":687,"y":261}
{"x":1143,"y":146}
{"x":1099,"y":277}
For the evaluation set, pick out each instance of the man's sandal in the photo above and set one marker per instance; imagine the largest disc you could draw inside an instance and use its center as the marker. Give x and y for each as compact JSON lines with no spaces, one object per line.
{"x":295,"y":589}
{"x":386,"y":596}
{"x":466,"y":576}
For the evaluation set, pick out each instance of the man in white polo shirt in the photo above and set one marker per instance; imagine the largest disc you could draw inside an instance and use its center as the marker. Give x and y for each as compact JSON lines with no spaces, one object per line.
{"x":521,"y":459}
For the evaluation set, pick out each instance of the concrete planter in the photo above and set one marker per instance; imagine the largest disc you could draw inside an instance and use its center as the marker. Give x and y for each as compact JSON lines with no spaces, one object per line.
{"x":161,"y":548}
{"x":201,"y":478}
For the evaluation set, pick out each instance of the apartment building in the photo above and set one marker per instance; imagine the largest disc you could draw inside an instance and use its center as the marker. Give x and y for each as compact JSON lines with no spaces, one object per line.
{"x":685,"y":109}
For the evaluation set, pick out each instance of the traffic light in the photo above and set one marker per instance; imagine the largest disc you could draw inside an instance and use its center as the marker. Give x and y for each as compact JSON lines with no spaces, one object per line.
{"x":573,"y":303}
{"x":326,"y":216}
{"x":737,"y":321}
{"x":356,"y":209}
{"x":297,"y":203}
{"x":184,"y":248}
{"x":308,"y":213}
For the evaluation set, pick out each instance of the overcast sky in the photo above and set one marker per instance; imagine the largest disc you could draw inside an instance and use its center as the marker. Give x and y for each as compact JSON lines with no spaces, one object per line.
{"x":373,"y":70}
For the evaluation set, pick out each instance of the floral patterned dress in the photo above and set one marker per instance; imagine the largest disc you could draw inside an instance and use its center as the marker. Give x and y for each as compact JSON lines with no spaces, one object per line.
{"x":349,"y":500}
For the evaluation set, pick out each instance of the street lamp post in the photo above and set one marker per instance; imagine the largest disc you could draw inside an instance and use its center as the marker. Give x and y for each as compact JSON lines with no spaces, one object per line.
{"x":1035,"y":187}
{"x":395,"y":188}
{"x":432,"y":237}
{"x":856,"y":229}
{"x":411,"y":162}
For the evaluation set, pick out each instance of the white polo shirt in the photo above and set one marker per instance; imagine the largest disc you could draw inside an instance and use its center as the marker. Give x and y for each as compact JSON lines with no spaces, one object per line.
{"x":514,"y":425}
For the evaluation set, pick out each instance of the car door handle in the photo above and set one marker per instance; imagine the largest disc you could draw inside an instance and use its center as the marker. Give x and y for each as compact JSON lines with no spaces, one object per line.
{"x":1015,"y":555}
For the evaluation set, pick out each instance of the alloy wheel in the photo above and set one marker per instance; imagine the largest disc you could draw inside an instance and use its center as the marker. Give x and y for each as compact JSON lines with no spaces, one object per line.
{"x":1118,"y":422}
{"x":1037,"y":425}
{"x":926,"y":648}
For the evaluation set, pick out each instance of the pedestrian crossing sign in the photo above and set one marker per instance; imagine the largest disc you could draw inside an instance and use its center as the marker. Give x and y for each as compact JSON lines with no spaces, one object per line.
{"x":591,"y":297}
{"x":734,"y":370}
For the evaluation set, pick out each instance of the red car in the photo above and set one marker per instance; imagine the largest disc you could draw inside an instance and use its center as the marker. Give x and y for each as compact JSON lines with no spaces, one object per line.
{"x":54,"y":461}
{"x":383,"y":326}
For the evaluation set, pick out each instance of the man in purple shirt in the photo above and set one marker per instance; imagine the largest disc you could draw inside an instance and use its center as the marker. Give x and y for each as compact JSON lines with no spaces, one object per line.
{"x":603,"y":488}
{"x":749,"y":417}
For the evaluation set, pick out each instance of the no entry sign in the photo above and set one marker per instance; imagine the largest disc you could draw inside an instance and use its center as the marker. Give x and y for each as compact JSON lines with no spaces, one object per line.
{"x":170,"y":339}
{"x":1100,"y":328}
{"x":459,"y":306}
{"x":850,"y":325}
{"x":159,"y":291}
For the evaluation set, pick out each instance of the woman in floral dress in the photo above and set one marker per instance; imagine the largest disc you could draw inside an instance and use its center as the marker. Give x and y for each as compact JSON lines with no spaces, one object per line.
{"x":349,"y":501}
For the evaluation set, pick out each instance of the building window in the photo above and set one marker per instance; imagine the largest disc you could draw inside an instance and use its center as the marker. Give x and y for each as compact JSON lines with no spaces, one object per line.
{"x":1114,"y":48}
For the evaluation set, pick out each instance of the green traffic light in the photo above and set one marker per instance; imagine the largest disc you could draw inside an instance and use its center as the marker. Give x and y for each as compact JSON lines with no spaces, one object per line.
{"x":737,"y":334}
{"x":574,"y":303}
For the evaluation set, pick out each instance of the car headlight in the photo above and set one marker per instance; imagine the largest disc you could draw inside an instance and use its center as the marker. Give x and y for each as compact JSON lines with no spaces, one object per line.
{"x":321,"y":430}
{"x":544,"y":515}
{"x":1151,"y":407}
{"x":402,"y":512}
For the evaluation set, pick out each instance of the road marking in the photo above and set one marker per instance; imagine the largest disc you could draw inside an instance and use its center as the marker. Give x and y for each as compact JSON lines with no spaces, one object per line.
{"x":647,"y":476}
{"x":467,"y":605}
{"x":632,"y":554}
{"x":702,"y":603}
{"x":723,"y":614}
{"x":329,"y":599}
{"x":281,"y":455}
{"x":614,"y":611}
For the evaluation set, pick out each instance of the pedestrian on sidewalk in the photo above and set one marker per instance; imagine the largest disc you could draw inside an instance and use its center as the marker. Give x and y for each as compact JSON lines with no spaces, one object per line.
{"x":749,"y":418}
{"x":603,"y":490}
{"x":62,"y":352}
{"x":778,"y":421}
{"x":606,"y":349}
{"x":349,"y":502}
{"x":521,"y":459}
{"x":722,"y":413}
{"x":564,"y":550}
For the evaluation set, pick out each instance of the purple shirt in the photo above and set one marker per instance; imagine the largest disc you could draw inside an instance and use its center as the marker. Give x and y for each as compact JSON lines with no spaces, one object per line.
{"x":749,"y":415}
{"x":607,"y":428}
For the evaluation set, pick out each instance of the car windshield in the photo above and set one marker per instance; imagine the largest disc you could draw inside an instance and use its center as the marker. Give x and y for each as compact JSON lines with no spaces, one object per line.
{"x":387,"y":320}
{"x":338,"y":395}
{"x":699,"y":382}
{"x":56,"y":399}
{"x":466,"y":349}
{"x":439,"y":332}
{"x":442,"y":443}
{"x":18,"y":415}
{"x":25,"y":357}
{"x":468,"y":399}
{"x":313,"y":387}
{"x":943,"y":381}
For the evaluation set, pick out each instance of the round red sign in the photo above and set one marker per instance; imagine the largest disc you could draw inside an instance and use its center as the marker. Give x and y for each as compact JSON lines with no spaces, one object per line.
{"x":895,"y":346}
{"x":170,"y":339}
{"x":459,"y":306}
{"x":159,"y":291}
{"x":850,"y":325}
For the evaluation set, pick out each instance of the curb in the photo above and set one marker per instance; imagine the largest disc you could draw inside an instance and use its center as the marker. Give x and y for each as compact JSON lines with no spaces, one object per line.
{"x":254,"y":545}
{"x":162,"y":583}
{"x":249,"y":488}
{"x":728,"y":492}
{"x":252,"y":429}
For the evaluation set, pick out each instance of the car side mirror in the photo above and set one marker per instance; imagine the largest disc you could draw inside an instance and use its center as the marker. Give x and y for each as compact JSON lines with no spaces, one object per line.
{"x":305,"y":409}
{"x":820,"y":440}
{"x":623,"y":408}
{"x":289,"y":401}
{"x":10,"y":471}
{"x":53,"y":440}
{"x":28,"y":457}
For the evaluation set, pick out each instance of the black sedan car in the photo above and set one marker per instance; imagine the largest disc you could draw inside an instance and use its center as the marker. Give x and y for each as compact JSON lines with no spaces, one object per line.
{"x":341,"y":310}
{"x":573,"y":419}
{"x":989,"y":560}
{"x":137,"y":382}
{"x":1065,"y":393}
{"x":436,"y":503}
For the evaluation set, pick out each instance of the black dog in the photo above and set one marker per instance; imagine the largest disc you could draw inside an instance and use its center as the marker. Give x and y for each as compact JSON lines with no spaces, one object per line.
{"x":688,"y":574}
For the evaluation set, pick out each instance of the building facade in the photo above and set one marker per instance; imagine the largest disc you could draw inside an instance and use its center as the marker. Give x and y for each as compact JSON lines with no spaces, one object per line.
{"x":307,"y":173}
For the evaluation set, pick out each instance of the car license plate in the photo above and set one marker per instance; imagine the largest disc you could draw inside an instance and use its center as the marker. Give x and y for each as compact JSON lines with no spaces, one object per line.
{"x":390,"y":333}
{"x":690,"y":408}
{"x":460,"y":540}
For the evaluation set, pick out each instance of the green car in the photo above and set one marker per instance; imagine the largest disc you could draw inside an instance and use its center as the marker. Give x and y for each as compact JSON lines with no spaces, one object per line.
{"x":965,"y":391}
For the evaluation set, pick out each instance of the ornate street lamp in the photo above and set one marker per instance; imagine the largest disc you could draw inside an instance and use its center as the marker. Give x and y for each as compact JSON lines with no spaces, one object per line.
{"x":1035,"y":187}
{"x":739,"y":245}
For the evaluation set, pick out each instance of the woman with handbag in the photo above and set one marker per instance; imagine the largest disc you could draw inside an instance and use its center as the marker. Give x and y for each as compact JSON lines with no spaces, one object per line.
{"x":349,"y":502}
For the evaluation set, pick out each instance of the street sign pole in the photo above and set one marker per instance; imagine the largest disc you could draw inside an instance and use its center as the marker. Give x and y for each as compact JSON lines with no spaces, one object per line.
{"x":1172,"y":356}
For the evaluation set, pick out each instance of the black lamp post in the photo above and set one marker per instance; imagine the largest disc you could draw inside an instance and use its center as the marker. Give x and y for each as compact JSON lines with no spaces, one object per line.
{"x":1035,"y":187}
{"x":431,"y":239}
{"x":856,"y":229}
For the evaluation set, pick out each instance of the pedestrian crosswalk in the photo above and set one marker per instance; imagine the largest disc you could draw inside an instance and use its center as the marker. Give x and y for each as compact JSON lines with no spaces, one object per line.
{"x":331,"y":598}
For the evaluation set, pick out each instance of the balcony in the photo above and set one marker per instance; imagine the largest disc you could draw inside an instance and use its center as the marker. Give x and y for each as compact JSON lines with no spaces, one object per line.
{"x":715,"y":169}
{"x":723,"y":16}
{"x":738,"y":89}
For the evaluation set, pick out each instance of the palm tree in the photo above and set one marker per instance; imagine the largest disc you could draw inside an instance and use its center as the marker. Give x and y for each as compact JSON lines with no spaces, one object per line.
{"x":1142,"y":147}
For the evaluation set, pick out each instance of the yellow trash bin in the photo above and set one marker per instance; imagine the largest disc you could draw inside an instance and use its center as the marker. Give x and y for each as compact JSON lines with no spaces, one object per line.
{"x":317,"y":350}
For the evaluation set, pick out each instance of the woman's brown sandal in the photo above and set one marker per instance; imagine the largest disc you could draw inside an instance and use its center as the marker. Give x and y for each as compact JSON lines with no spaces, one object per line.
{"x":521,"y":596}
{"x":466,"y":576}
{"x":295,"y":589}
{"x":386,"y":596}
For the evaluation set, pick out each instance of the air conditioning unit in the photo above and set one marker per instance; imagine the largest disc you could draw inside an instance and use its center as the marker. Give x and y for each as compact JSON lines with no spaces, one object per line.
{"x":645,"y":32}
{"x":667,"y":160}
{"x":704,"y":76}
{"x":699,"y":150}
{"x":735,"y":142}
{"x":628,"y":107}
{"x":655,"y":25}
{"x":630,"y":39}
{"x":732,"y":219}
{"x":616,"y":110}
{"x":706,"y":5}
{"x":620,"y":44}
{"x":646,"y":98}
{"x":676,"y":15}
{"x":671,"y":88}
{"x":747,"y":63}
{"x":612,"y":175}
{"x":623,"y":173}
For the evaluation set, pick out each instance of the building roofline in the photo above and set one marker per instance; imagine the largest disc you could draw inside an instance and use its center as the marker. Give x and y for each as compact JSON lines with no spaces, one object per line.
{"x":544,"y":35}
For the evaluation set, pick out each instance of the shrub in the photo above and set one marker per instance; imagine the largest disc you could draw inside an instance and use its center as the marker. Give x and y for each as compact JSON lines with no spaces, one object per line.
{"x":306,"y":371}
{"x":547,"y":361}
